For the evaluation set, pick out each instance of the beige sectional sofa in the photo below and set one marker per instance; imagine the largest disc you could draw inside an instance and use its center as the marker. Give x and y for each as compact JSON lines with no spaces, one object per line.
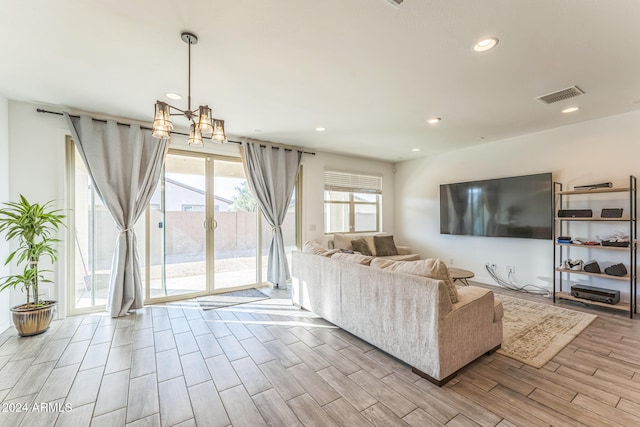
{"x":343,"y":241}
{"x":410,"y":317}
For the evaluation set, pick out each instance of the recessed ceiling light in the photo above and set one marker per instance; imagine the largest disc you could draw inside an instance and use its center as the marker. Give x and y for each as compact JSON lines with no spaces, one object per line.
{"x":570,"y":109}
{"x":486,"y":44}
{"x":415,"y":149}
{"x":173,"y":95}
{"x":434,"y":120}
{"x":320,"y":129}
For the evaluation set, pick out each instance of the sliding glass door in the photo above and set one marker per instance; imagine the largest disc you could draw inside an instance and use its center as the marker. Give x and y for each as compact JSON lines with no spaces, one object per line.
{"x":203,"y":228}
{"x":178,"y":229}
{"x":202,"y":232}
{"x":236,"y":226}
{"x":91,"y":239}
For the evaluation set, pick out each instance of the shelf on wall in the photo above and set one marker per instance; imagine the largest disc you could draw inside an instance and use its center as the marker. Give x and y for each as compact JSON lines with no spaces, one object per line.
{"x":594,"y":191}
{"x":609,"y":248}
{"x":586,"y":273}
{"x":619,"y":306}
{"x":558,"y":218}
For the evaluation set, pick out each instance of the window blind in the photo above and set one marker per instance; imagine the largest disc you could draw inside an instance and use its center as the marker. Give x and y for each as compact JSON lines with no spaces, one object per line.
{"x":352,"y":182}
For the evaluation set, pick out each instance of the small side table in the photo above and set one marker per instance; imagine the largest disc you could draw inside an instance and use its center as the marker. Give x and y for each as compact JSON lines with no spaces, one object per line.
{"x":462,"y":275}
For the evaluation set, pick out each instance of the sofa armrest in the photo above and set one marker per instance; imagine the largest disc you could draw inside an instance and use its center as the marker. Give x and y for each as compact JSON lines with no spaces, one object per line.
{"x":469,"y":329}
{"x":481,"y":301}
{"x":404,"y":250}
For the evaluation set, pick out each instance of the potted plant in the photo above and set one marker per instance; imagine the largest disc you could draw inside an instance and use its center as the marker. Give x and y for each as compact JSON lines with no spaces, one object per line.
{"x":33,"y":227}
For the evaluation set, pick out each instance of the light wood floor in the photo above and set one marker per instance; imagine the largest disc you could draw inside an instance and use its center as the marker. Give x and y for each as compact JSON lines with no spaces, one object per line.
{"x":270,"y":363}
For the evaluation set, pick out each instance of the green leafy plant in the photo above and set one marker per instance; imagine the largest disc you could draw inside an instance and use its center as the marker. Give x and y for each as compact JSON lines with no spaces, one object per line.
{"x":34,"y":227}
{"x":243,"y":200}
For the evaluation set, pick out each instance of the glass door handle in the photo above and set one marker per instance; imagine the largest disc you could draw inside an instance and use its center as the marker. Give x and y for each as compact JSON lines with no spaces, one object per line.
{"x":210,"y":224}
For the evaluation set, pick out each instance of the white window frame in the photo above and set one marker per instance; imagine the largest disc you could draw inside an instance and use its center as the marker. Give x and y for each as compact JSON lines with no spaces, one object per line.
{"x":353,"y":183}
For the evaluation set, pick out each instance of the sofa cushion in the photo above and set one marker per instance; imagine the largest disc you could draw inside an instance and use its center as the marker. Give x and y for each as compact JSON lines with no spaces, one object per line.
{"x":385,"y":246}
{"x":342,"y":241}
{"x":404,"y":250}
{"x":498,"y":310}
{"x":402,"y":257}
{"x":432,"y":268}
{"x":354,"y":258}
{"x":360,"y":245}
{"x":315,"y":248}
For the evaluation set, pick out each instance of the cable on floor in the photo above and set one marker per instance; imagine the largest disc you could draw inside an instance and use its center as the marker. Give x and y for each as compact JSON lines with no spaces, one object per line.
{"x":511,"y":284}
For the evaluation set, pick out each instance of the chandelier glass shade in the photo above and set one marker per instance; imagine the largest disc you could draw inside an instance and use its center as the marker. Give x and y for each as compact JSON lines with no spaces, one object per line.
{"x":162,"y":125}
{"x":218,"y":131}
{"x":202,"y":122}
{"x":195,"y":137}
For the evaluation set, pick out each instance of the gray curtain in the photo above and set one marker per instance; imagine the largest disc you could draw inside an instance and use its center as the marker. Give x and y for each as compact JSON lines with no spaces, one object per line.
{"x":272,"y":173}
{"x":125,"y":164}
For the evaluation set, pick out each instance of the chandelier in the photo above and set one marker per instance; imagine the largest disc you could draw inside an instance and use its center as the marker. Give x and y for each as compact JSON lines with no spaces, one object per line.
{"x":202,"y":124}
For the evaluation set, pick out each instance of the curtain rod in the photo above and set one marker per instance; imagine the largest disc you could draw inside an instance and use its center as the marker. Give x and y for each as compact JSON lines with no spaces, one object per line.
{"x":40,"y":110}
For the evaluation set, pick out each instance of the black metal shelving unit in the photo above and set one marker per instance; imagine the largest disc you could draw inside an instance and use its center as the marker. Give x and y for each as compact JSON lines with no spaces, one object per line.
{"x":559,"y":249}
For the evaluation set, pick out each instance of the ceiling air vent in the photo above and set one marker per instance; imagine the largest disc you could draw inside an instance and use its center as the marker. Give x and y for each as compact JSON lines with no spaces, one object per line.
{"x":560,"y":95}
{"x":396,"y":2}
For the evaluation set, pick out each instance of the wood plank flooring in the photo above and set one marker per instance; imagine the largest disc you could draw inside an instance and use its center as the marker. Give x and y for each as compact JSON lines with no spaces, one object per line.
{"x":269,"y":363}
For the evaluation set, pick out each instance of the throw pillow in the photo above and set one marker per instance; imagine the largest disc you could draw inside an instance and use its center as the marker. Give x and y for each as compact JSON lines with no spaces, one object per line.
{"x":432,"y":268}
{"x":360,"y":245}
{"x":342,"y":241}
{"x":385,"y":246}
{"x":372,"y":246}
{"x":312,"y":247}
{"x":355,"y":258}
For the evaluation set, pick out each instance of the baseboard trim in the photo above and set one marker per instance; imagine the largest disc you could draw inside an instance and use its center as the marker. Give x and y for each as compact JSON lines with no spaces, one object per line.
{"x":5,"y":325}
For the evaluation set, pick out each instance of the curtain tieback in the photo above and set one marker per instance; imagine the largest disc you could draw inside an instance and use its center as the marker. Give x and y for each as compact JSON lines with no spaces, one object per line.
{"x":275,"y":227}
{"x":125,"y":230}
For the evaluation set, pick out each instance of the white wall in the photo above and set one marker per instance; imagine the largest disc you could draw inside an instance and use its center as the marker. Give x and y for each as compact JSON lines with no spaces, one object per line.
{"x":37,"y":170}
{"x":313,"y":190}
{"x":601,"y":150}
{"x":4,"y":196}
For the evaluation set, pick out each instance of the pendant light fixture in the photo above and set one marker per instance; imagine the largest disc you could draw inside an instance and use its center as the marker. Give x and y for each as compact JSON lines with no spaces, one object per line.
{"x":202,"y":124}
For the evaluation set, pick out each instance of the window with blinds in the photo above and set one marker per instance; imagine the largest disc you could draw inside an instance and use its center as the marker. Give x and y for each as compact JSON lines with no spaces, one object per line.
{"x":351,"y":202}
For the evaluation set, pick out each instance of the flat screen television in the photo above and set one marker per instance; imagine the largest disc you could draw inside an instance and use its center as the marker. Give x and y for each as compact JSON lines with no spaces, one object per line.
{"x":518,"y":206}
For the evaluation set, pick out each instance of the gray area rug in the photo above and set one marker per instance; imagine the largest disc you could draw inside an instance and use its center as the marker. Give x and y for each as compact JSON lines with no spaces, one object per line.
{"x":534,"y":333}
{"x":228,"y":299}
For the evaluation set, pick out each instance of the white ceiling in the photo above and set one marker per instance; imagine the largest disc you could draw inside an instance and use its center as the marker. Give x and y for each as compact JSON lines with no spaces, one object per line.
{"x":370,"y":72}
